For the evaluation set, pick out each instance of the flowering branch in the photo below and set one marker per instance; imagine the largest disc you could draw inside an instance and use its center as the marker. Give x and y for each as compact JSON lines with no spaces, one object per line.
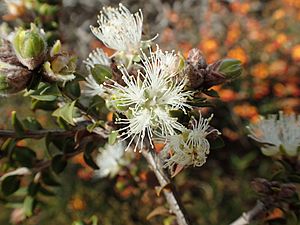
{"x":251,"y":215}
{"x":171,"y":195}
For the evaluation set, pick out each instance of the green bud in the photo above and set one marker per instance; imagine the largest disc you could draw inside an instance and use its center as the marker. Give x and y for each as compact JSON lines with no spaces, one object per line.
{"x":231,"y":68}
{"x":30,"y":47}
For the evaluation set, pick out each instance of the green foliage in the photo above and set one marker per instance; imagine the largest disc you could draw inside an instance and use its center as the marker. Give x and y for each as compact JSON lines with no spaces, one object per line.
{"x":66,"y":112}
{"x":101,"y":73}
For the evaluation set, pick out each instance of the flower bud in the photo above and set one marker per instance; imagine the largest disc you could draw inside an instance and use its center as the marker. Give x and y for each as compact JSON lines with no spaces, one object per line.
{"x":231,"y":68}
{"x":61,"y":67}
{"x":30,"y":47}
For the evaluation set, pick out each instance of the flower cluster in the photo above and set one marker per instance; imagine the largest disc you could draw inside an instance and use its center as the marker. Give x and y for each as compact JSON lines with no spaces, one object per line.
{"x":144,"y":90}
{"x":277,"y":135}
{"x":191,"y":147}
{"x":147,"y":99}
{"x":110,"y":160}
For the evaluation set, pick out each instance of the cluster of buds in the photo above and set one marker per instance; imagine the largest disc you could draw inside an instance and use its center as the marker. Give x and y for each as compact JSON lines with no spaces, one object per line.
{"x":203,"y":75}
{"x":19,"y":58}
{"x":24,"y":53}
{"x":273,"y":191}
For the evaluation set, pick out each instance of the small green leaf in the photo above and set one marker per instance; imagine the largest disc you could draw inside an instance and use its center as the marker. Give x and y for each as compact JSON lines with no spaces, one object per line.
{"x":66,"y":112}
{"x":211,"y":93}
{"x":17,"y":124}
{"x":48,"y":179}
{"x":46,"y":98}
{"x":33,"y":188}
{"x":112,"y":137}
{"x":30,"y":123}
{"x":101,"y":73}
{"x":25,"y":156}
{"x":10,"y":185}
{"x":48,"y":106}
{"x":73,"y":88}
{"x":28,"y":205}
{"x":58,"y":163}
{"x":89,"y":160}
{"x":94,"y":220}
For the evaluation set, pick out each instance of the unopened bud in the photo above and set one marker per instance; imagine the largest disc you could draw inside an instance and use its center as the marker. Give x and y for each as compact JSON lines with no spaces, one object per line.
{"x":231,"y":68}
{"x":61,"y":67}
{"x":30,"y":47}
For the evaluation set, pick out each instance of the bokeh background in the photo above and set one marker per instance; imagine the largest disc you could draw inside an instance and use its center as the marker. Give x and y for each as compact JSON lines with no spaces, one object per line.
{"x":264,"y":35}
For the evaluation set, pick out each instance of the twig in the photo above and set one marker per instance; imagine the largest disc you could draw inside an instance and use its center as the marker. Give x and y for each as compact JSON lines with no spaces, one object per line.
{"x":170,"y":194}
{"x":250,"y":216}
{"x":39,"y":133}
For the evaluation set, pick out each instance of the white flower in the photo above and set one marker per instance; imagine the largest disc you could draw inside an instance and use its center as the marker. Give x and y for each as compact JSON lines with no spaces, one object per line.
{"x":148,"y":98}
{"x":276,"y":134}
{"x":92,"y":88}
{"x":191,"y":147}
{"x":119,"y":29}
{"x":97,"y":56}
{"x":109,"y":160}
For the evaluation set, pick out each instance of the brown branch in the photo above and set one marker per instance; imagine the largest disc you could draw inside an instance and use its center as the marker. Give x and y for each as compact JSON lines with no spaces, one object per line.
{"x":171,"y":195}
{"x":36,"y":134}
{"x":251,"y":215}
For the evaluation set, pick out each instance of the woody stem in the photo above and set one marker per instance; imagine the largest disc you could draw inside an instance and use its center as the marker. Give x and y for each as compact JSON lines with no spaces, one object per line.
{"x":171,"y":195}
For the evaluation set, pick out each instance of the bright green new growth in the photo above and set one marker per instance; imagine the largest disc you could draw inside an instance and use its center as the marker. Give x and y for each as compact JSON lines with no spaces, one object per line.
{"x":29,"y":43}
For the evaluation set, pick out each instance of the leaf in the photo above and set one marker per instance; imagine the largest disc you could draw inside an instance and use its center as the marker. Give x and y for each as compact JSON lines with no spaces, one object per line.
{"x":25,"y":156}
{"x":48,"y":179}
{"x":89,"y":161}
{"x":33,"y":188}
{"x":10,"y":185}
{"x":211,"y":93}
{"x":73,"y":88}
{"x":18,"y":126}
{"x":45,"y":92}
{"x":159,"y":189}
{"x":94,"y":220}
{"x":101,"y":73}
{"x":58,"y":163}
{"x":178,"y":169}
{"x":160,"y":210}
{"x":112,"y":137}
{"x":48,"y":106}
{"x":28,"y":205}
{"x":46,"y":98}
{"x":66,"y":112}
{"x":30,"y":123}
